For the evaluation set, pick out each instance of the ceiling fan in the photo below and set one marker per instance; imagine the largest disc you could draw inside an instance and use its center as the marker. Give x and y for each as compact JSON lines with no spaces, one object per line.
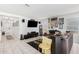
{"x":27,"y":5}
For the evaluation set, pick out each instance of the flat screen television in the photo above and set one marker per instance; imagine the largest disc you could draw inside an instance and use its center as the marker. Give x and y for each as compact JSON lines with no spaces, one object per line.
{"x":32,"y":23}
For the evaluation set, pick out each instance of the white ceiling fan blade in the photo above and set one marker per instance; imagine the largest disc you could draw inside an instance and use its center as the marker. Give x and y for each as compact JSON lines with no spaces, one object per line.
{"x":27,"y":5}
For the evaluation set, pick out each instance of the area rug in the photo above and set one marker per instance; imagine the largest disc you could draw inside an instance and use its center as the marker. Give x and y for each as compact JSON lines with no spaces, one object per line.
{"x":34,"y":45}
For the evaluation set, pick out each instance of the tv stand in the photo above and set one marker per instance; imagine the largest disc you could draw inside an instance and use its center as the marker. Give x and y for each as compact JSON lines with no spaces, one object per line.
{"x":29,"y":35}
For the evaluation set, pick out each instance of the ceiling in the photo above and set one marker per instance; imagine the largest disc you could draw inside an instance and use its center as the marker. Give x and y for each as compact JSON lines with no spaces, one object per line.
{"x":38,"y":10}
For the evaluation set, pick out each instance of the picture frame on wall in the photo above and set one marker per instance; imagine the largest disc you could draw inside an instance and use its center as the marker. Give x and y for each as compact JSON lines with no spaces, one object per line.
{"x":52,"y":23}
{"x":61,"y":23}
{"x":61,"y":20}
{"x":49,"y":23}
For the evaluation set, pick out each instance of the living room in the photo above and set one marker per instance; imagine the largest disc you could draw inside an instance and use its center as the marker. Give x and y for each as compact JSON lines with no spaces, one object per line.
{"x":27,"y":25}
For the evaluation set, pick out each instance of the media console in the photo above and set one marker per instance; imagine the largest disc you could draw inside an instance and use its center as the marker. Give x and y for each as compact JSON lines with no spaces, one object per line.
{"x":29,"y":35}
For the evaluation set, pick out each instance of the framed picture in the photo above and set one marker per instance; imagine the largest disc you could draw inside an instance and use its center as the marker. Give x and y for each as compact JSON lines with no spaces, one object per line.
{"x":49,"y":23}
{"x":61,"y":20}
{"x":61,"y":23}
{"x":52,"y":23}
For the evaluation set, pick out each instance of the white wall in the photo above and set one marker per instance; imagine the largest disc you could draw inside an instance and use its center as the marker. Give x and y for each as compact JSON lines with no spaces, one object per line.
{"x":73,"y":17}
{"x":44,"y":23}
{"x":7,"y":25}
{"x":17,"y":31}
{"x":13,"y":30}
{"x":67,"y":18}
{"x":70,"y":18}
{"x":0,"y":28}
{"x":24,"y":29}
